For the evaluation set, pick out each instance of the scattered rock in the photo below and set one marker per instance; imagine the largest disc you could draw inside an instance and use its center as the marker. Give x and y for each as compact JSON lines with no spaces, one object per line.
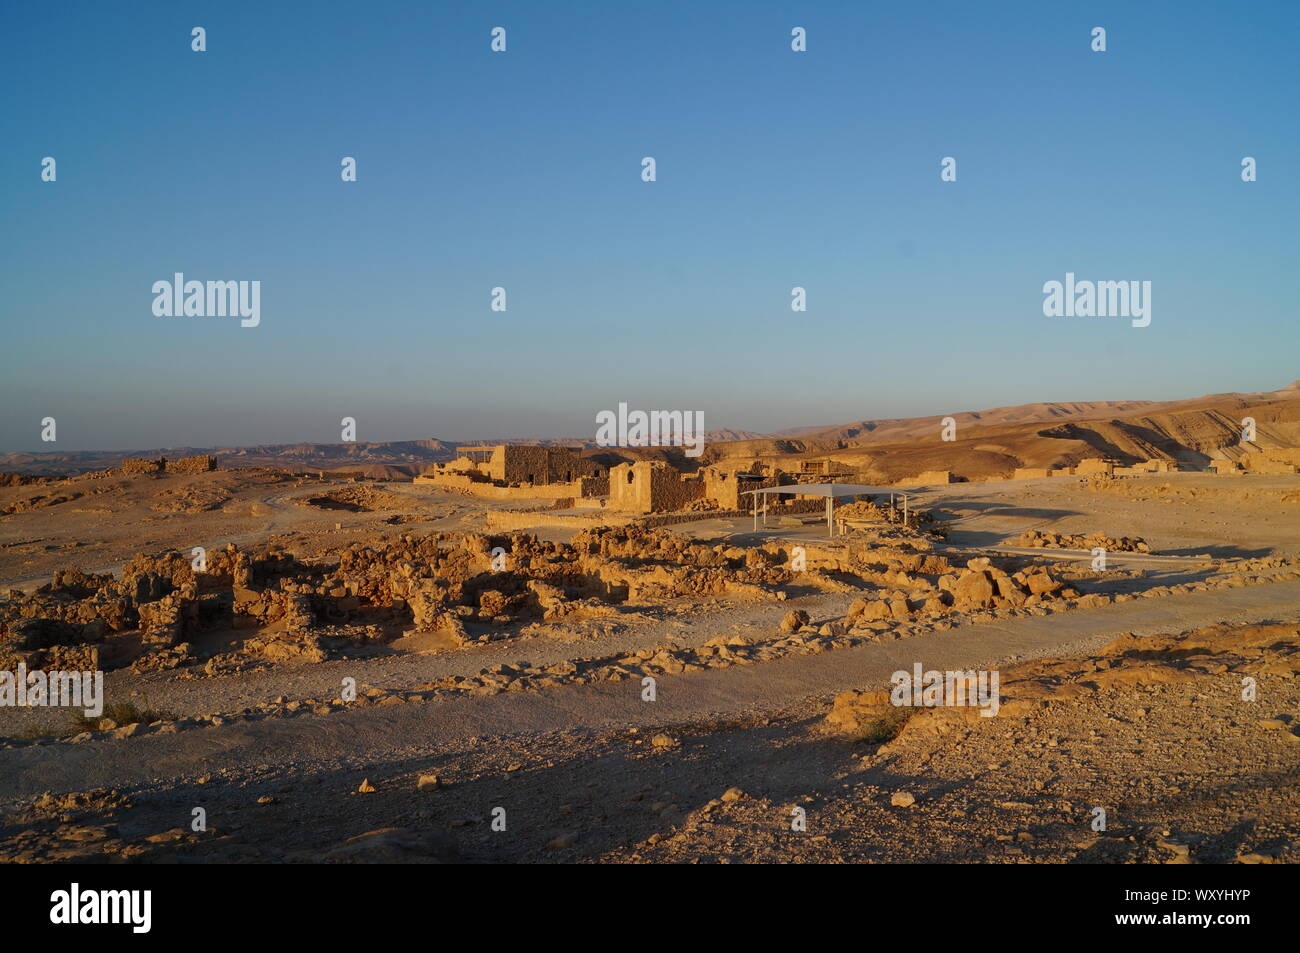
{"x":794,"y":620}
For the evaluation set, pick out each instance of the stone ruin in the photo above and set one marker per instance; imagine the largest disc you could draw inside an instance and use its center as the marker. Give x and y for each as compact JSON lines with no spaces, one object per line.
{"x":1037,"y":539}
{"x":143,"y":466}
{"x":467,"y":587}
{"x":652,"y":486}
{"x":520,"y":471}
{"x":197,"y":464}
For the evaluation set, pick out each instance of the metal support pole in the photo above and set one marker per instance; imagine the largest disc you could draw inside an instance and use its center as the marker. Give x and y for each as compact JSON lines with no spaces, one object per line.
{"x":756,"y":512}
{"x":830,"y":525}
{"x":904,"y":509}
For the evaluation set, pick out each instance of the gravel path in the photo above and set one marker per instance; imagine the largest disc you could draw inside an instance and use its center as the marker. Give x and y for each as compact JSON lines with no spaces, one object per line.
{"x":374,"y":737}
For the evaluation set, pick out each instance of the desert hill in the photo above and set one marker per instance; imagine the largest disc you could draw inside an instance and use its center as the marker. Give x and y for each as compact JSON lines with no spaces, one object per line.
{"x":990,"y":443}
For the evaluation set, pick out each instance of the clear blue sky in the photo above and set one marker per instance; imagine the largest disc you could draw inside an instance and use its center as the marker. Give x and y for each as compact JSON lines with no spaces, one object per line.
{"x":522,"y":169}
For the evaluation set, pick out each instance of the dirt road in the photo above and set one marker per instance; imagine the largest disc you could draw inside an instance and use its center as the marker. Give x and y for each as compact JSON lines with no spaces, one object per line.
{"x":379,"y":739}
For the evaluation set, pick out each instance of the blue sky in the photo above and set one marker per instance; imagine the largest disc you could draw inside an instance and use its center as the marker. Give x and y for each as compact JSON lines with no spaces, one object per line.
{"x":522,"y":169}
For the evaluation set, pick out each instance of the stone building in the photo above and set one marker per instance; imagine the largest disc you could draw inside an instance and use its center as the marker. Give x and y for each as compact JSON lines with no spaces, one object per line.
{"x":652,"y":487}
{"x":824,"y":466}
{"x":727,"y":488}
{"x":1094,"y":465}
{"x":655,"y":487}
{"x":514,"y":463}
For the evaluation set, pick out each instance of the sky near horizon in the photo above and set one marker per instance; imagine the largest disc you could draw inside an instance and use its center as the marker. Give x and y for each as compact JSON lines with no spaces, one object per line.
{"x":522,"y":169}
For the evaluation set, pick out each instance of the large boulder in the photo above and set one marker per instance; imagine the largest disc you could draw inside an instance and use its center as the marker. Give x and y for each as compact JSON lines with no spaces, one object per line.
{"x":1042,"y":583}
{"x":973,"y":590}
{"x":794,"y":620}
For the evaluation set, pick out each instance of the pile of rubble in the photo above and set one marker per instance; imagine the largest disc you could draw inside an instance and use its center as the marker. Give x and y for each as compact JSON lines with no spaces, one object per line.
{"x":64,"y":623}
{"x":1036,"y":539}
{"x":442,"y":583}
{"x":863,"y":510}
{"x":473,"y":588}
{"x":981,"y":585}
{"x":467,"y":587}
{"x":38,"y":501}
{"x":21,"y":479}
{"x":355,"y":499}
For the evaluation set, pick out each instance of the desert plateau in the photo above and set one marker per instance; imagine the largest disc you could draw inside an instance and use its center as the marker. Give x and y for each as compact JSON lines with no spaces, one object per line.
{"x":657,"y":674}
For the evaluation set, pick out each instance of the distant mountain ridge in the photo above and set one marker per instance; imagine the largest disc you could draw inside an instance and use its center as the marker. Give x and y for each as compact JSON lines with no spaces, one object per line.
{"x":992,"y":444}
{"x":1030,"y":432}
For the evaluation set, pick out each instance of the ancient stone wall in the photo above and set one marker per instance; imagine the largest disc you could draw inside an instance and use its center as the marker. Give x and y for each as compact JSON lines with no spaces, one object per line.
{"x":505,"y":520}
{"x":729,"y":489}
{"x":824,"y":467}
{"x":197,"y":464}
{"x":1035,"y":473}
{"x":134,"y":466}
{"x":1271,"y":461}
{"x":523,"y":464}
{"x":928,"y":478}
{"x":1092,"y":465}
{"x":652,"y":487}
{"x":475,"y":485}
{"x":672,"y":519}
{"x":670,"y":491}
{"x":626,"y":491}
{"x":593,"y":486}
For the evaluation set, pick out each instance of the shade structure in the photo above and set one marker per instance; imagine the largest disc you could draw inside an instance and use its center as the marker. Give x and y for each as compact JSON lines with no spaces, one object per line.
{"x":828,"y":490}
{"x":824,"y":489}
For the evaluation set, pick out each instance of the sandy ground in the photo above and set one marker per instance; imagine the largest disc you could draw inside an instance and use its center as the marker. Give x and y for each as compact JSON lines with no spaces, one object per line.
{"x":1177,"y":513}
{"x":1186,"y":773}
{"x":575,"y":767}
{"x":96,"y":525}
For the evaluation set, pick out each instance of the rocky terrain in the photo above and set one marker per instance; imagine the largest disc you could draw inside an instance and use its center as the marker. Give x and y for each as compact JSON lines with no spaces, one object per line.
{"x":1153,"y":731}
{"x":370,"y":653}
{"x":990,"y":443}
{"x":1033,"y":538}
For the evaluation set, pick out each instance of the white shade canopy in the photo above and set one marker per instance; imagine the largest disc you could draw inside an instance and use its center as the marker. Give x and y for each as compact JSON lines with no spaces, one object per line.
{"x":824,"y":489}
